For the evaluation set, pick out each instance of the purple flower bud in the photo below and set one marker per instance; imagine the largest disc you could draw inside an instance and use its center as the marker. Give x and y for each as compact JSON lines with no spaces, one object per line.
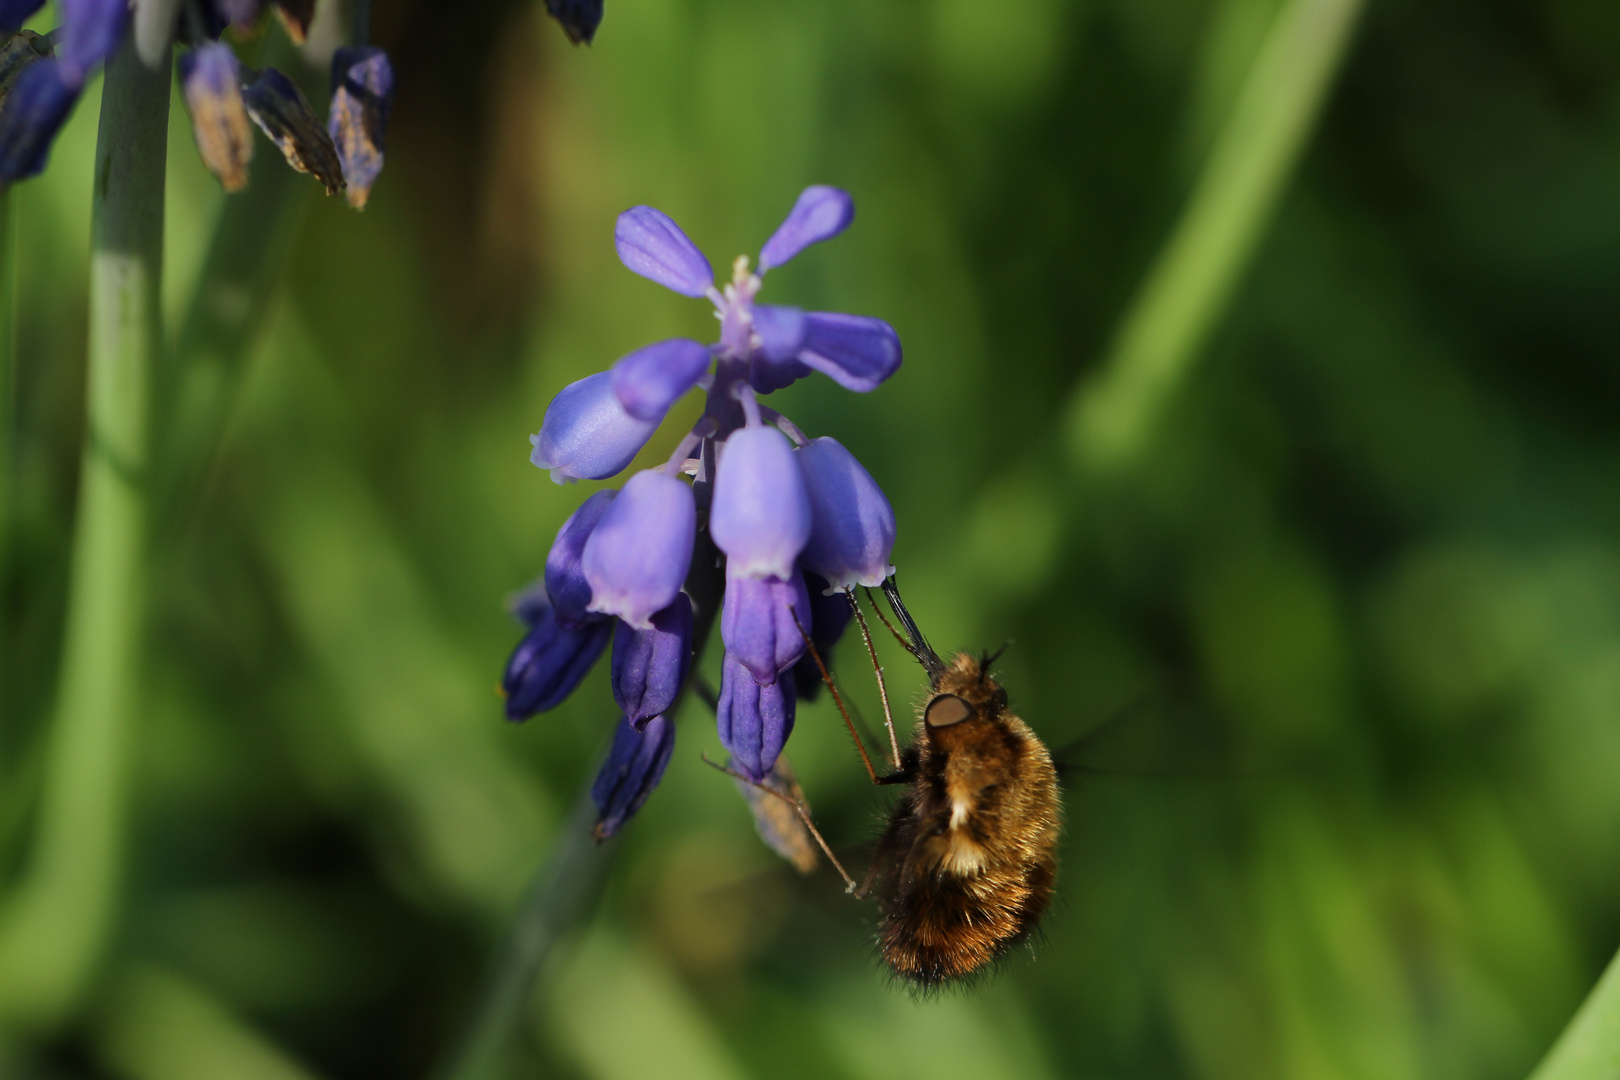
{"x":283,"y":113}
{"x":19,"y":50}
{"x":34,"y":112}
{"x":13,"y":13}
{"x":579,"y":18}
{"x":652,"y":245}
{"x":649,"y":666}
{"x":651,"y":379}
{"x":638,"y":554}
{"x":550,"y":660}
{"x":780,"y":331}
{"x":756,"y":623}
{"x":633,"y":768}
{"x":219,"y":120}
{"x":820,"y":213}
{"x":754,"y":720}
{"x":851,"y":523}
{"x":362,"y":96}
{"x":586,"y":434}
{"x":761,"y":515}
{"x":565,"y":576}
{"x":857,"y":352}
{"x":829,"y":618}
{"x":91,"y":30}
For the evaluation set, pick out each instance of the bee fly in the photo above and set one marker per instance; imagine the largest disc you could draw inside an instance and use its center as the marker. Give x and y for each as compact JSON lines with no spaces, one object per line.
{"x":968,"y":861}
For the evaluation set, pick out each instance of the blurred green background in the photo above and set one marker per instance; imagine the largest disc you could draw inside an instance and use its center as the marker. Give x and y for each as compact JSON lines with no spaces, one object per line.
{"x":1355,"y":607}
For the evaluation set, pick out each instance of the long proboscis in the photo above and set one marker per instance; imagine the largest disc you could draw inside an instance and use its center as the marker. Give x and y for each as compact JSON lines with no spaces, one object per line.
{"x":920,"y":648}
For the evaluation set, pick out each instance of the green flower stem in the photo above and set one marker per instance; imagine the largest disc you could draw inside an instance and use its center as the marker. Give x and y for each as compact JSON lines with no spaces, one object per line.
{"x":8,"y":364}
{"x":567,"y":886}
{"x":54,"y":926}
{"x":1112,"y":417}
{"x":1589,"y":1048}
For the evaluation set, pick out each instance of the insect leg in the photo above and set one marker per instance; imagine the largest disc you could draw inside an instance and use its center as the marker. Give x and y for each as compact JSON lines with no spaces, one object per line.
{"x":798,"y":808}
{"x":883,"y":688}
{"x":826,"y":678}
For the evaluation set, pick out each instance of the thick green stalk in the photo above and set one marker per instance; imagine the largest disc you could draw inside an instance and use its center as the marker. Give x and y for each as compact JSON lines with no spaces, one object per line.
{"x":8,"y":363}
{"x":1112,"y":417}
{"x":1589,"y":1048}
{"x":54,"y":927}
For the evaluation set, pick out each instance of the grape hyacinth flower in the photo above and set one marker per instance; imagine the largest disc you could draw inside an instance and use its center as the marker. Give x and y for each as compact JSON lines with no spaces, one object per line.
{"x":43,"y":77}
{"x":789,"y":515}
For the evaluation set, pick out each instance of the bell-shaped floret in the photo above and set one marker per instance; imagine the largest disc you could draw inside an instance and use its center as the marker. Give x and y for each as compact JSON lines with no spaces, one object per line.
{"x":856,"y":351}
{"x":638,"y":554}
{"x":761,"y":515}
{"x":851,"y":522}
{"x":649,"y":666}
{"x":586,"y":434}
{"x":212,"y":85}
{"x":757,"y":623}
{"x":651,"y":379}
{"x":650,"y":243}
{"x":91,"y":30}
{"x":820,"y":213}
{"x":754,"y":721}
{"x":633,"y":768}
{"x":35,"y":110}
{"x":565,"y":574}
{"x":362,"y":98}
{"x":550,"y":660}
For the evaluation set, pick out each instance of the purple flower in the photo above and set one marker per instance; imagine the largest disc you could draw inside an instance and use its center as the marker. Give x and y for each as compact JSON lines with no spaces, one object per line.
{"x":851,"y":523}
{"x":757,"y":623}
{"x":820,"y":214}
{"x":649,"y":666}
{"x":761,"y":514}
{"x":550,"y":660}
{"x":652,"y":245}
{"x":638,"y":554}
{"x":633,"y":768}
{"x":579,"y":18}
{"x":91,"y":30}
{"x":34,"y":112}
{"x":587,"y":434}
{"x":565,"y":573}
{"x":830,"y":616}
{"x":856,"y":352}
{"x":754,"y":720}
{"x":362,"y":97}
{"x":13,"y":13}
{"x":648,"y":381}
{"x":212,"y":84}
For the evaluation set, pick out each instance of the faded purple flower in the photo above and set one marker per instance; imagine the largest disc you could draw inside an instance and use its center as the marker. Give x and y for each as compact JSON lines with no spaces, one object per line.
{"x":212,"y":84}
{"x":362,"y":97}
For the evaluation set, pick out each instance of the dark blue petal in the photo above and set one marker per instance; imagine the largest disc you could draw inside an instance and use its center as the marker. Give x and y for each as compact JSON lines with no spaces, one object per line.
{"x":851,"y":522}
{"x":639,"y":553}
{"x":757,"y":623}
{"x":579,"y":18}
{"x":565,"y":575}
{"x":652,"y":245}
{"x":820,"y":213}
{"x":633,"y":768}
{"x":649,"y":380}
{"x":829,"y":618}
{"x":649,"y":666}
{"x":283,"y":114}
{"x":13,"y":13}
{"x":856,"y":351}
{"x":586,"y":434}
{"x":549,"y":662}
{"x":211,"y":83}
{"x":34,"y":112}
{"x":754,"y":721}
{"x":760,"y":516}
{"x":91,"y":30}
{"x":362,"y":98}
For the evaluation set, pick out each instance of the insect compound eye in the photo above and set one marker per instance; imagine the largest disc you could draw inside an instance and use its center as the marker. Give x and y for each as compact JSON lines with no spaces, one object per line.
{"x":1000,"y":697}
{"x":947,"y":709}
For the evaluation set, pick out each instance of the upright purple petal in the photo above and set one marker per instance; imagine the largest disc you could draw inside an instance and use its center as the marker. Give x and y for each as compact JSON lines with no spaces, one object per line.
{"x":820,"y":213}
{"x":579,"y":18}
{"x":858,"y":352}
{"x":565,"y":575}
{"x":638,"y":554}
{"x":649,"y":666}
{"x":362,"y":98}
{"x":779,"y":330}
{"x":652,"y":245}
{"x":550,"y":661}
{"x":35,"y":110}
{"x":851,"y":522}
{"x":829,"y":618}
{"x":586,"y":434}
{"x":651,"y":379}
{"x":757,"y":623}
{"x":91,"y":30}
{"x":754,"y":721}
{"x":212,"y":85}
{"x":633,"y":768}
{"x":13,"y":13}
{"x":761,"y":515}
